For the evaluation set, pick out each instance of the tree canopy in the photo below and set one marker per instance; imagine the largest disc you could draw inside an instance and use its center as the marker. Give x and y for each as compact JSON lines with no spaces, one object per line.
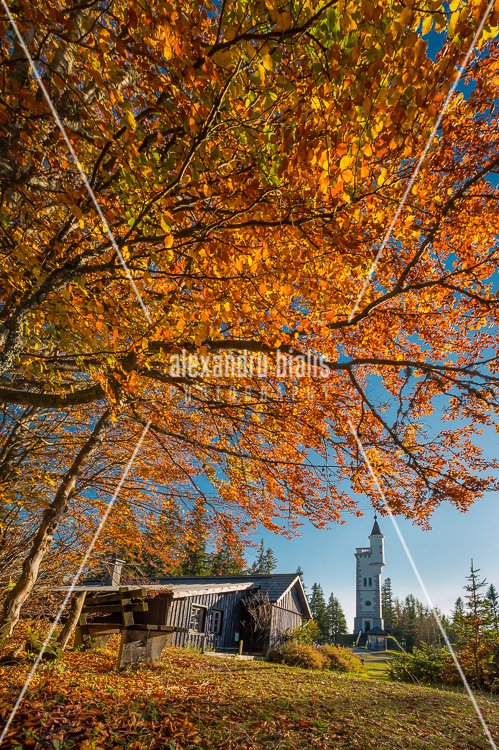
{"x":248,"y":159}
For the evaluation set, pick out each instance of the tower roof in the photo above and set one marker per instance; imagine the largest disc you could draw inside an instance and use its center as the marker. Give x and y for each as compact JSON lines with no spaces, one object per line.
{"x":376,"y":531}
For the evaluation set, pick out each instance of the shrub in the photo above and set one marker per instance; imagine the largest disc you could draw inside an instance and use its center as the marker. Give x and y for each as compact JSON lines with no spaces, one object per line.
{"x":341,"y":659}
{"x":427,"y":664}
{"x":299,"y":655}
{"x":306,"y":633}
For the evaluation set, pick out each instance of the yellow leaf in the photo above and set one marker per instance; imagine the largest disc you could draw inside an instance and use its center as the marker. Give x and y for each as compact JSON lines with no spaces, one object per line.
{"x":130,"y":121}
{"x":427,"y":25}
{"x":267,"y":62}
{"x":345,"y":162}
{"x":454,"y":5}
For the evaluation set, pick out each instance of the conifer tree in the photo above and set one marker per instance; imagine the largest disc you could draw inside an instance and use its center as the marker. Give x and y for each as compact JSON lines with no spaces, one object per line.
{"x":227,"y":561}
{"x":196,"y":561}
{"x":458,"y":611}
{"x":411,"y":616}
{"x":493,"y":598}
{"x":319,"y":610}
{"x":336,"y":619}
{"x":265,"y":561}
{"x":477,"y":631}
{"x":299,"y":572}
{"x":388,"y":609}
{"x":269,"y":561}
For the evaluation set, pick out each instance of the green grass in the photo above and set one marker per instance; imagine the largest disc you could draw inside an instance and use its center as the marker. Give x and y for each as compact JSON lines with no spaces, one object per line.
{"x":193,"y":701}
{"x":375,"y":663}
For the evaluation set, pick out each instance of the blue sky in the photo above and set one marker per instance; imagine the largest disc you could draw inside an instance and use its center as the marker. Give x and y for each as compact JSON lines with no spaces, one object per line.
{"x":441,"y":554}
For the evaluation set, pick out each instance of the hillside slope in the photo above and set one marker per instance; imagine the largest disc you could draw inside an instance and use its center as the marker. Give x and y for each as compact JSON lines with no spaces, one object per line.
{"x":194,"y":701}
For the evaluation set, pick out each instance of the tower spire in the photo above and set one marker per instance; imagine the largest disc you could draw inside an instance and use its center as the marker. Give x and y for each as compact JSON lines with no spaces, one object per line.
{"x":376,"y":530}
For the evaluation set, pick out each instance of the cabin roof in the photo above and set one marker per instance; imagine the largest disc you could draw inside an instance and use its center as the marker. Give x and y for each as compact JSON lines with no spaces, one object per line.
{"x":273,"y":585}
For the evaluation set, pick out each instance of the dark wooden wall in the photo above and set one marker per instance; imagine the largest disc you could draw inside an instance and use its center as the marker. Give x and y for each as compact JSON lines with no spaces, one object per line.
{"x":286,"y":616}
{"x":180,"y":614}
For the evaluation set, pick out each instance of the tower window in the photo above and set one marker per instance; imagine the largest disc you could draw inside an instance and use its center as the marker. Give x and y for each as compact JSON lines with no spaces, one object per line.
{"x":365,"y":581}
{"x":370,"y":582}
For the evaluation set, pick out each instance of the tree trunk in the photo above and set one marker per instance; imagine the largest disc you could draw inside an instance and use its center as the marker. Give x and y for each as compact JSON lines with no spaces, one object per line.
{"x":47,"y":529}
{"x":72,"y":621}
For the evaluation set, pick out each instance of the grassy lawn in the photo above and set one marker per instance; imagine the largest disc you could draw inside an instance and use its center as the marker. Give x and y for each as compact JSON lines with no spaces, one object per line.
{"x":194,"y":701}
{"x":375,"y":663}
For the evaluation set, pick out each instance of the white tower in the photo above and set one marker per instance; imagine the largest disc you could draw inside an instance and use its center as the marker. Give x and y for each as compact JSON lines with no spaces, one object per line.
{"x":370,"y":560}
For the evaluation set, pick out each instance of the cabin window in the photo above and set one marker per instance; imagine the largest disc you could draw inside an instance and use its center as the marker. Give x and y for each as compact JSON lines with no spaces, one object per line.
{"x":365,"y":581}
{"x":370,"y":582}
{"x":197,"y":619}
{"x":217,"y":618}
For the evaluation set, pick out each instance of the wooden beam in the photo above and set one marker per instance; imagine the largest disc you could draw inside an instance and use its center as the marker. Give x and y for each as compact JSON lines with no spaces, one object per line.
{"x":125,"y":604}
{"x":116,"y":597}
{"x":162,"y":628}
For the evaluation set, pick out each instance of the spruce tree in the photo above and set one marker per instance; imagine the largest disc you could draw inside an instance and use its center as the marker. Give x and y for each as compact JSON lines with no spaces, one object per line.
{"x":196,"y":561}
{"x":269,"y":561}
{"x":388,"y":609}
{"x":336,"y":619}
{"x":478,"y":633}
{"x":411,"y":621}
{"x":265,"y":561}
{"x":299,"y":572}
{"x":319,"y":610}
{"x":458,"y":611}
{"x":493,"y":598}
{"x":257,"y":566}
{"x":227,"y":561}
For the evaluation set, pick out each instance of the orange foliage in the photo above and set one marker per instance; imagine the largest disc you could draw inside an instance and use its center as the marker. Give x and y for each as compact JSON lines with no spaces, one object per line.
{"x":248,"y":167}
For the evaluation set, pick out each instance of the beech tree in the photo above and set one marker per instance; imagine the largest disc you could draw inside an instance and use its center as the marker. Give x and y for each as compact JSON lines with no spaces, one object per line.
{"x":248,"y":159}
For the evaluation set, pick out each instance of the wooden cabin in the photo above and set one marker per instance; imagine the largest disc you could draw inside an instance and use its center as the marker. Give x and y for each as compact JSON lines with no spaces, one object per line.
{"x":217,"y":612}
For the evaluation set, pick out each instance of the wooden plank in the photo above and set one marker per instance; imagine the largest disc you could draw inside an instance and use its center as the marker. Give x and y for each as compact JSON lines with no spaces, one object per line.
{"x":160,"y":628}
{"x":146,"y":626}
{"x":102,"y":627}
{"x":116,"y":597}
{"x":125,"y":604}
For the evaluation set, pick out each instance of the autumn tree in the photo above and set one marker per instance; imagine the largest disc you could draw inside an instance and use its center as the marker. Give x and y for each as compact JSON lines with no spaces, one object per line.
{"x":248,"y":160}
